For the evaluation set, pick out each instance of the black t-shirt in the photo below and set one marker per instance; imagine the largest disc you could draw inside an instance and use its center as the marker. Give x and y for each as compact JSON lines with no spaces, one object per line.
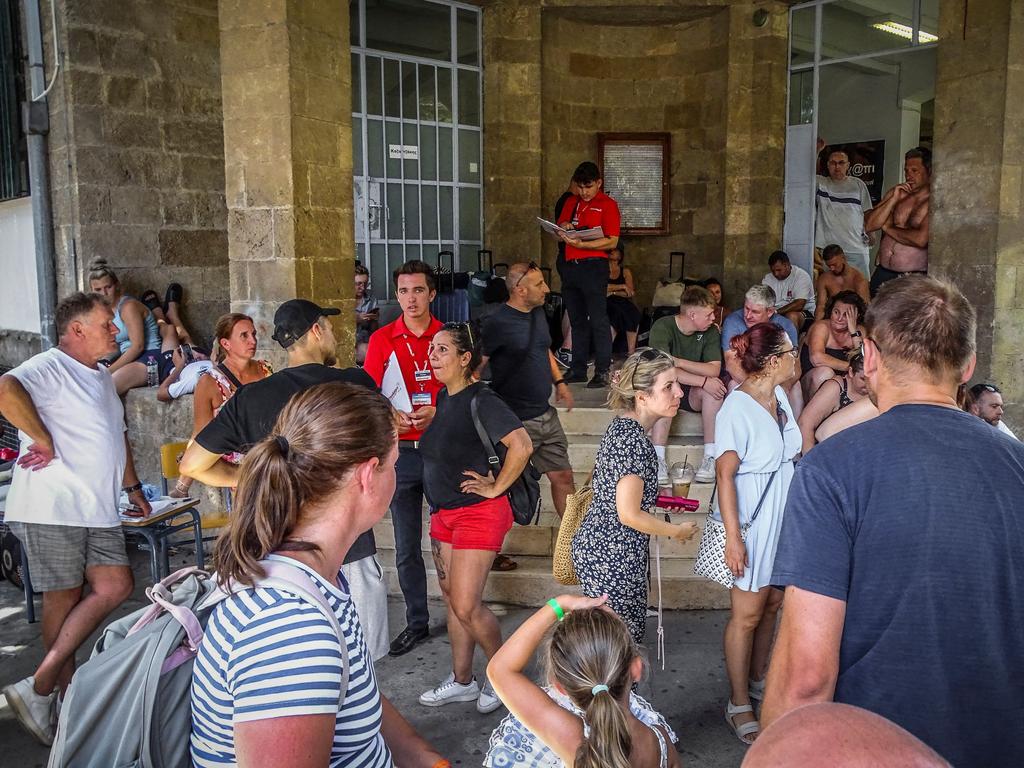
{"x":451,"y":444}
{"x":250,"y":414}
{"x":520,"y":376}
{"x":914,"y":521}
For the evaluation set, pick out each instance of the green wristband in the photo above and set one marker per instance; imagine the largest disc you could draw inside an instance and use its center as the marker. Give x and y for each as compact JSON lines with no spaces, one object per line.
{"x":556,"y":608}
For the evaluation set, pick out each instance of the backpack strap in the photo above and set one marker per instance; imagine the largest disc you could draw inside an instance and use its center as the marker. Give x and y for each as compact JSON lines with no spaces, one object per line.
{"x":292,"y":579}
{"x":229,"y":376}
{"x":492,"y":455}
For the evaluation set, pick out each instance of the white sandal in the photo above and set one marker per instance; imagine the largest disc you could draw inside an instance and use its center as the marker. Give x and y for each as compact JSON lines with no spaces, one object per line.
{"x":756,"y":689}
{"x":746,"y":729}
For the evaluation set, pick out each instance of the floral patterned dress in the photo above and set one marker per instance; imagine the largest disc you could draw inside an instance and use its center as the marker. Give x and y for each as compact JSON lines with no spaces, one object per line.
{"x":227,"y":389}
{"x":610,"y":557}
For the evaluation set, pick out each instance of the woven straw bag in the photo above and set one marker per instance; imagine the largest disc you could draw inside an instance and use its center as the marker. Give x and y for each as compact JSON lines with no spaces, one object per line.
{"x":577,"y":504}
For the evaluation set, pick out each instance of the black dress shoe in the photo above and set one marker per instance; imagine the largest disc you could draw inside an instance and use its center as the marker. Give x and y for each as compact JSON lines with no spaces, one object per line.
{"x":575,"y":378}
{"x":600,"y":381}
{"x":408,"y":640}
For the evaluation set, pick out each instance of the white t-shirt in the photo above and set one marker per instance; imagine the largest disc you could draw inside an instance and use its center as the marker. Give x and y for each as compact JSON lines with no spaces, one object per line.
{"x":81,"y":409}
{"x":1005,"y":429}
{"x":797,"y":286}
{"x":840,"y":216}
{"x":188,"y":378}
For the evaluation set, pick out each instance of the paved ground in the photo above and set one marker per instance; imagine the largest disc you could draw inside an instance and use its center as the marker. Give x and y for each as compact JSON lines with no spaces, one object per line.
{"x":690,"y":691}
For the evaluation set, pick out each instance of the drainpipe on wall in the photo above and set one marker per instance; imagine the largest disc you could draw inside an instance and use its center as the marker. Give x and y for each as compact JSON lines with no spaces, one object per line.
{"x":36,"y":123}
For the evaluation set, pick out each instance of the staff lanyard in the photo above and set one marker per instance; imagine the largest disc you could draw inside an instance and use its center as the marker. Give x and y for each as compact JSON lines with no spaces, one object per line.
{"x":421,"y":374}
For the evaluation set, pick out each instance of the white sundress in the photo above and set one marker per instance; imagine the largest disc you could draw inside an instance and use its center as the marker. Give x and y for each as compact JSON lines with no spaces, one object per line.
{"x":513,"y":744}
{"x":744,"y":426}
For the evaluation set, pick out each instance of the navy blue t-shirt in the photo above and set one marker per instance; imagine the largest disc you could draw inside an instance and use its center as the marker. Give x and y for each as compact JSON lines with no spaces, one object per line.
{"x":916,"y":520}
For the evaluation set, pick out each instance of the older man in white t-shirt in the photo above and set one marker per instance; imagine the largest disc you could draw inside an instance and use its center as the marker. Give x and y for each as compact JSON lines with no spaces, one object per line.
{"x":841,"y":201}
{"x":62,"y":506}
{"x":794,"y":290}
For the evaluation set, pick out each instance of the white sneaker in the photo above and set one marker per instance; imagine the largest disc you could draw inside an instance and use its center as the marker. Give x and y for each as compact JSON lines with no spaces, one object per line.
{"x":663,"y":474}
{"x":706,"y":472}
{"x":488,"y":700}
{"x":33,"y":711}
{"x":449,"y":691}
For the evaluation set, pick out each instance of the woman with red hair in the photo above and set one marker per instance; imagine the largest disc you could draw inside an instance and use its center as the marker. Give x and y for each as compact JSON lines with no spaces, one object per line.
{"x":756,"y":438}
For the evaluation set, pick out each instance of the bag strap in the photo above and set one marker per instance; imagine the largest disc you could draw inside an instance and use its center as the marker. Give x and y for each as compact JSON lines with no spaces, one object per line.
{"x":474,"y":410}
{"x":229,"y":375}
{"x":779,"y":413}
{"x":292,"y":579}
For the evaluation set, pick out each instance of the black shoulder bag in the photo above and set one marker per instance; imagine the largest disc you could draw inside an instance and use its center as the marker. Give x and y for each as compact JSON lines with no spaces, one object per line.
{"x":524,"y":493}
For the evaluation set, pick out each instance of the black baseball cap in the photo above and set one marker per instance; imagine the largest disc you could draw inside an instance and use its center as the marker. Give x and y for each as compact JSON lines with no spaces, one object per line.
{"x":295,"y":317}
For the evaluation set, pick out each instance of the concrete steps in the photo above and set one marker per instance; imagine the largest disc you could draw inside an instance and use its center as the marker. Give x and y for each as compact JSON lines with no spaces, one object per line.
{"x":531,"y":546}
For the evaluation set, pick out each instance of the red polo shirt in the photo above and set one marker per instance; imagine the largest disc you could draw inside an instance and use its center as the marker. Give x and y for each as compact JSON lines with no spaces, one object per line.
{"x":602,"y":212}
{"x":411,"y":352}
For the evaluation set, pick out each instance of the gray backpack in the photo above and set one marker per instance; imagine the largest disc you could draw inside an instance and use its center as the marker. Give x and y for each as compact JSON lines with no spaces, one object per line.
{"x":129,"y":705}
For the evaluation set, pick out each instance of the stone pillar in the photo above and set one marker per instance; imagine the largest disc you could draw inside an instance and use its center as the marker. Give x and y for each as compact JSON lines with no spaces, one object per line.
{"x":512,"y":129}
{"x":977,"y":226}
{"x":286,"y":82}
{"x":755,"y":139}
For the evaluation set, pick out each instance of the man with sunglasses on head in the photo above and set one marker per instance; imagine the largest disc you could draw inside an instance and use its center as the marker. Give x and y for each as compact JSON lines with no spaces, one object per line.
{"x":517,"y":344}
{"x":405,"y":343}
{"x":986,"y":402}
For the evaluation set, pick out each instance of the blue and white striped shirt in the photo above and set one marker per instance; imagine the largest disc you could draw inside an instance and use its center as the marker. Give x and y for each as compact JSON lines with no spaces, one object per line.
{"x":267,"y":654}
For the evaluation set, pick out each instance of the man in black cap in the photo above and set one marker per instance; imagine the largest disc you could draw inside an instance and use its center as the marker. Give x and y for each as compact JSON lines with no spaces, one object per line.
{"x":302,"y":328}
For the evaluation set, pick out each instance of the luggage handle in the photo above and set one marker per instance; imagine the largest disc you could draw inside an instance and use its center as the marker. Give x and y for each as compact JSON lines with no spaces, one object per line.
{"x":451,"y":261}
{"x":494,"y":269}
{"x":480,"y":259}
{"x":671,"y":261}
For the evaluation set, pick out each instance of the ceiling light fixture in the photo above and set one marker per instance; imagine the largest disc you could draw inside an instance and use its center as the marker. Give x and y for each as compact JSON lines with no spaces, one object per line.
{"x":904,"y":31}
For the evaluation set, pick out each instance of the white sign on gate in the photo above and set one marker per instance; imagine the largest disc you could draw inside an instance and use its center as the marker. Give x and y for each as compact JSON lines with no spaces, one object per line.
{"x":403,"y":152}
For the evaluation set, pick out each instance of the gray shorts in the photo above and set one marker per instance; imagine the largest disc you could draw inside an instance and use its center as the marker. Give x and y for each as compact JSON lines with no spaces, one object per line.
{"x":59,"y":555}
{"x":550,"y":446}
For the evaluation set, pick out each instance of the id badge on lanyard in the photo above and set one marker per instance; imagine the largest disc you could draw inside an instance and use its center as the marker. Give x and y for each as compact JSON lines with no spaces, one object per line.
{"x":422,"y":376}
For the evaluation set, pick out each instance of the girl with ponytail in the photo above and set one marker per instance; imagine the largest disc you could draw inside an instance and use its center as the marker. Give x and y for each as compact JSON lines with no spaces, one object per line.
{"x":589,"y":716}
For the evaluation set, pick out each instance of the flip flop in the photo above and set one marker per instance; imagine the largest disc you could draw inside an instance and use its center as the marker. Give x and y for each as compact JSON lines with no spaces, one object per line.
{"x":504,"y":563}
{"x":151,"y":300}
{"x":174,"y":293}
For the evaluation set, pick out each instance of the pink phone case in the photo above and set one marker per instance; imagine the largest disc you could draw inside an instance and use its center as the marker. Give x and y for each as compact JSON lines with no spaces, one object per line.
{"x":677,"y":504}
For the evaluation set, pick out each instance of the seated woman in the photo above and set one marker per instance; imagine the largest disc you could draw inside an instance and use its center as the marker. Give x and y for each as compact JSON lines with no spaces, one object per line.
{"x":832,"y":396}
{"x":715,"y":289}
{"x":233,"y":366}
{"x":856,"y":413}
{"x":827,"y":348}
{"x":324,"y":475}
{"x":623,"y":314}
{"x":611,"y":548}
{"x":471,"y":511}
{"x":142,"y":340}
{"x":588,"y":715}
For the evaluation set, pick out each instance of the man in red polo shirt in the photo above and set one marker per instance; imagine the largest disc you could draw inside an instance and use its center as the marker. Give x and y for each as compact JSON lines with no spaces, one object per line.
{"x":585,"y":274}
{"x":404,"y":343}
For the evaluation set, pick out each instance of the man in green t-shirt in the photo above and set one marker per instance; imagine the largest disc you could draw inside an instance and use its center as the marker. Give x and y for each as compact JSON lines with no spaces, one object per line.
{"x":695,"y":344}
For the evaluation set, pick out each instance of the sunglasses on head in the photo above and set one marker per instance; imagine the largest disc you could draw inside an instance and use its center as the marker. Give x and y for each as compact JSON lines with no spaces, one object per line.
{"x":459,"y":326}
{"x":529,"y":268}
{"x":648,"y":355}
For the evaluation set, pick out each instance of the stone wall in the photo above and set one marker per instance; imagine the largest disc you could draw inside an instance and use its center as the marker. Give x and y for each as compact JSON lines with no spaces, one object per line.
{"x":672,"y":77}
{"x":137,"y":149}
{"x":977,"y":228}
{"x":559,"y":72}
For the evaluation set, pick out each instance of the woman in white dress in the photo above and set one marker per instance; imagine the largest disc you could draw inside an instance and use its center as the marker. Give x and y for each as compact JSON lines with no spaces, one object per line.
{"x":756,"y":438}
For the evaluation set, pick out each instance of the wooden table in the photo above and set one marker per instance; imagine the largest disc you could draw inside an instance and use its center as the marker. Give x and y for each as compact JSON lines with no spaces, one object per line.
{"x":155,"y":529}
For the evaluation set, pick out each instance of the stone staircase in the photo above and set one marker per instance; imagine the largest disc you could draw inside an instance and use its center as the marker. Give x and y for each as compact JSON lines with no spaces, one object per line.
{"x":531,"y":546}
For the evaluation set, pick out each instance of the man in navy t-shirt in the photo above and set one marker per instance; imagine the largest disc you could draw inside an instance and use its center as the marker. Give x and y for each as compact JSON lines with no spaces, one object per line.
{"x":900,"y":547}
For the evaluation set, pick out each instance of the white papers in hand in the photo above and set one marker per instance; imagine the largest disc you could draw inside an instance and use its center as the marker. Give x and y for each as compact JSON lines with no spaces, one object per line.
{"x":591,"y":233}
{"x":393,"y":387}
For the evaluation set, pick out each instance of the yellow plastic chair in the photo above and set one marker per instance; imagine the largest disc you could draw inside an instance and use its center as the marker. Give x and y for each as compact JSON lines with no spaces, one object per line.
{"x":170,"y":456}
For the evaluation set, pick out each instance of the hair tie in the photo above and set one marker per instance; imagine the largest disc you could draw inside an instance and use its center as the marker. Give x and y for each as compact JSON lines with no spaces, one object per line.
{"x":282,"y":444}
{"x":598,"y":688}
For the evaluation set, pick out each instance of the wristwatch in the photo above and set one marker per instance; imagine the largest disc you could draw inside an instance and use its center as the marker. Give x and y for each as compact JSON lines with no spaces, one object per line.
{"x":856,"y":333}
{"x":132,"y":488}
{"x":560,"y":381}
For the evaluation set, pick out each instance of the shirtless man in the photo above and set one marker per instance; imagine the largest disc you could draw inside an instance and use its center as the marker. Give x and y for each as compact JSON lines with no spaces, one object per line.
{"x":839,"y":276}
{"x":902,"y":215}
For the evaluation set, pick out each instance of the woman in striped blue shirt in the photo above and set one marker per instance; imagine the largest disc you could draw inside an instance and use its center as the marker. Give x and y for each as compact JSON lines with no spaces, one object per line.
{"x":267,"y":686}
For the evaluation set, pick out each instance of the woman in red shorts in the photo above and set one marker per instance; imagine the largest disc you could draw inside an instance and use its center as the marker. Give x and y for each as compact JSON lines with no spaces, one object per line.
{"x":471,"y":513}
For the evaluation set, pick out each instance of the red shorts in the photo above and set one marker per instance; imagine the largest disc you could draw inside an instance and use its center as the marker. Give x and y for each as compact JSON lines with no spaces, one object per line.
{"x":478,"y":526}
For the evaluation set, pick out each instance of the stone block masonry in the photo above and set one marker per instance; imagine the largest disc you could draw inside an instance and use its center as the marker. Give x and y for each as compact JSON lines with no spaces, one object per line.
{"x":137,"y":149}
